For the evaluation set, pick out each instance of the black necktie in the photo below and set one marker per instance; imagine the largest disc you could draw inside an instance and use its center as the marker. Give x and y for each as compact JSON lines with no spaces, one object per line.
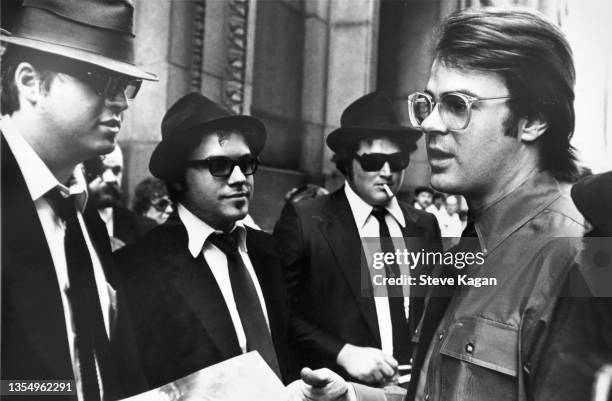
{"x":247,"y":302}
{"x":402,"y":348}
{"x":91,"y":338}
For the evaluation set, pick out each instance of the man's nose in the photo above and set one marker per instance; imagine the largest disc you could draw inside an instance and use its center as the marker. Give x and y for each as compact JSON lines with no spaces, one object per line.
{"x":117,"y":101}
{"x":433,"y":122}
{"x":385,"y":171}
{"x":236,"y":177}
{"x":109,"y":177}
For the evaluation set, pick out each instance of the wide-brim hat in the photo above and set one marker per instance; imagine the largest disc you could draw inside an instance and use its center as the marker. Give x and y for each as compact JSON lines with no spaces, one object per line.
{"x":593,"y":197}
{"x":98,"y":32}
{"x":370,"y":116}
{"x":187,"y":121}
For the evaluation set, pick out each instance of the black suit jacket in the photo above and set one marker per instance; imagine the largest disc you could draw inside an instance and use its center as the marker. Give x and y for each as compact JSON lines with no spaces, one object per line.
{"x":129,"y":226}
{"x":34,"y":338}
{"x":181,"y":319}
{"x":322,"y":260}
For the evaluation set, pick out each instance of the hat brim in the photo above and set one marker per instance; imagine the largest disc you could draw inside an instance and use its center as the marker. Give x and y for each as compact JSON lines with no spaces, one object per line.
{"x":120,"y":67}
{"x":348,"y":136}
{"x":167,"y":158}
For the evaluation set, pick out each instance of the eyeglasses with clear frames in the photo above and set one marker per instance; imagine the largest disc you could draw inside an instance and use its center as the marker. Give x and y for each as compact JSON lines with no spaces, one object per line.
{"x":455,"y":108}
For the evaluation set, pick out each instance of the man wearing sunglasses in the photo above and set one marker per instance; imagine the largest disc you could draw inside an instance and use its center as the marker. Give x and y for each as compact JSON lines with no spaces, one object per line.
{"x":203,"y":287}
{"x":68,"y":75}
{"x":104,"y":176}
{"x":498,"y":117}
{"x":364,"y":338}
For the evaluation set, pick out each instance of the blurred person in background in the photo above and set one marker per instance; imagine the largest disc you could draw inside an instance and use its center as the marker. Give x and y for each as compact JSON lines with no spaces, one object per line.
{"x":104,"y":176}
{"x":423,"y":199}
{"x":151,"y":200}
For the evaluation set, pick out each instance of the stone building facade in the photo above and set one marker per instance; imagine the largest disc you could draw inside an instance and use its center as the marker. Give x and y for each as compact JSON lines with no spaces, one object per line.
{"x":296,"y":64}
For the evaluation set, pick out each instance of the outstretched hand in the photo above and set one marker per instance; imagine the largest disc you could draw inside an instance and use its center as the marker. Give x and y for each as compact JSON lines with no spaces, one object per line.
{"x":318,"y":385}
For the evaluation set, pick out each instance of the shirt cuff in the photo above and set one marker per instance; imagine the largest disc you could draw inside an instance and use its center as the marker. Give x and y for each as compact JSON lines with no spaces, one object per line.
{"x":361,"y":392}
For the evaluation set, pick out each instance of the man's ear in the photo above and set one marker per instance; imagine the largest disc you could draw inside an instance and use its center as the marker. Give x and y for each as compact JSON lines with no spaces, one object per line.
{"x":532,"y":127}
{"x":28,"y":82}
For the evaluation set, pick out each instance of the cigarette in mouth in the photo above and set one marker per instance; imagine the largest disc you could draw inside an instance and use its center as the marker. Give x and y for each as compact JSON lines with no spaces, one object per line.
{"x":388,"y":190}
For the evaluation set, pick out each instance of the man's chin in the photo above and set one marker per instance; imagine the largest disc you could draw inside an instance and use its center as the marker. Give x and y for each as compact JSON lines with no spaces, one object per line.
{"x":443,"y":183}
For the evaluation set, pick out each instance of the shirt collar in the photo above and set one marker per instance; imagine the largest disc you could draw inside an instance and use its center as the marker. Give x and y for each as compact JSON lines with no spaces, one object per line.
{"x":362,"y":210}
{"x":198,"y":231}
{"x":37,"y":176}
{"x":509,"y":212}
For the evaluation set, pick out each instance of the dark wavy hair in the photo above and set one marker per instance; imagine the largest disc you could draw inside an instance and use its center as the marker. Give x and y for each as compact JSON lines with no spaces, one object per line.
{"x":147,"y":190}
{"x":535,"y":61}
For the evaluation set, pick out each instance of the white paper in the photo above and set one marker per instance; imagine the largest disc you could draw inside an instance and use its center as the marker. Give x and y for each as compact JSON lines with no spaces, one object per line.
{"x":245,"y":377}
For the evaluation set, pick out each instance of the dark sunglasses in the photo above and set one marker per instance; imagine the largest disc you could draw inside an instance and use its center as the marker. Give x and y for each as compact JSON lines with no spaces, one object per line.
{"x":161,"y":204}
{"x":375,"y":161}
{"x":106,"y":85}
{"x":221,"y":166}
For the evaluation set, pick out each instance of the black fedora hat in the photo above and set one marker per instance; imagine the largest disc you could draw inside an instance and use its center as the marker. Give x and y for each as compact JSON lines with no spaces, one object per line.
{"x":420,"y":189}
{"x":593,"y":196}
{"x":371,"y":115}
{"x":97,"y":32}
{"x":187,"y":120}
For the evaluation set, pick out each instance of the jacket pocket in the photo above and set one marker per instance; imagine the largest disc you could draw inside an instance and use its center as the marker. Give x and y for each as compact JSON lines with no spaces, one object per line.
{"x":484,"y":343}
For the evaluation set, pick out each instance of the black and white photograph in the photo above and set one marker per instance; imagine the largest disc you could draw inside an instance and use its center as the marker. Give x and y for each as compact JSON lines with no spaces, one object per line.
{"x":306,"y":200}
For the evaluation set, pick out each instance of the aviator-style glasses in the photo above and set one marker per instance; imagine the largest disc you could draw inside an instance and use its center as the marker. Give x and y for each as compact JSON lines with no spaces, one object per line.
{"x":221,"y":166}
{"x":455,"y":108}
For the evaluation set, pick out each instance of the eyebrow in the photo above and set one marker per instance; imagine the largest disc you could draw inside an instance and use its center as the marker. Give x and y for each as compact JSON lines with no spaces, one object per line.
{"x":464,"y":91}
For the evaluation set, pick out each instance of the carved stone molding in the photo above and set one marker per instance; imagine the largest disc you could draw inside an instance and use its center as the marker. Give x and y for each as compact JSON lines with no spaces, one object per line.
{"x":198,"y":44}
{"x":237,"y":54}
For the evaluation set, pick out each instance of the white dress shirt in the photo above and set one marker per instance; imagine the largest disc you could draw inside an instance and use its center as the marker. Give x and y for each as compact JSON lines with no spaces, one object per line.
{"x":198,"y":232}
{"x":40,"y":180}
{"x":106,"y":214}
{"x":368,"y":227}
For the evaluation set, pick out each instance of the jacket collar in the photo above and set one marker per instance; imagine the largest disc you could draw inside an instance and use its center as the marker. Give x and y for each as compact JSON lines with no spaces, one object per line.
{"x":497,"y":221}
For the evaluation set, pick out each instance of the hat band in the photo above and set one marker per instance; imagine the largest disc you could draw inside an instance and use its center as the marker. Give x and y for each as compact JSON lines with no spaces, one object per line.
{"x":43,"y":26}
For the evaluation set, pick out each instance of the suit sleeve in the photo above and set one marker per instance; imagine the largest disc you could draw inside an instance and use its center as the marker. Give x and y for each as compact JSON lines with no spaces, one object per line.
{"x":366,"y":393}
{"x":289,"y":232}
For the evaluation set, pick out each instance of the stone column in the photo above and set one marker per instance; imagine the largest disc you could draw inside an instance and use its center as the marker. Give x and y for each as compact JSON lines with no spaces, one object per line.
{"x":314,"y":88}
{"x":351,"y":63}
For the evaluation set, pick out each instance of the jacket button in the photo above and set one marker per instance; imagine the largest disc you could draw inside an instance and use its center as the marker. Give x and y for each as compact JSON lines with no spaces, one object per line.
{"x":426,"y":397}
{"x":440,"y":336}
{"x":469,"y":348}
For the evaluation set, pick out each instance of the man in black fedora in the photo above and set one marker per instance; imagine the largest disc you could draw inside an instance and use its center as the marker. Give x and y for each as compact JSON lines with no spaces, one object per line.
{"x":202,"y":287}
{"x":362,"y":338}
{"x":68,"y":75}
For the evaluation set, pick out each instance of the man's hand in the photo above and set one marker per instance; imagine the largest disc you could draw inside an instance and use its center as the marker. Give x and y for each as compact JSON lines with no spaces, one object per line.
{"x":369,"y":365}
{"x":319,"y":385}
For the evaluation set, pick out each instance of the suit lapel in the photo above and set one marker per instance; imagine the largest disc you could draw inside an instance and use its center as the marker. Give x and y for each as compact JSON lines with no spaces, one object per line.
{"x":30,"y":289}
{"x":194,"y":280}
{"x":414,"y":226}
{"x":340,"y":231}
